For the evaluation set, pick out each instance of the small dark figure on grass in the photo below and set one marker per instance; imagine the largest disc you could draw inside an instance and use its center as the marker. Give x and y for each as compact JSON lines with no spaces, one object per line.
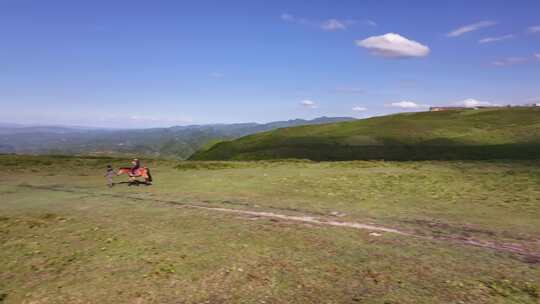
{"x":109,"y":175}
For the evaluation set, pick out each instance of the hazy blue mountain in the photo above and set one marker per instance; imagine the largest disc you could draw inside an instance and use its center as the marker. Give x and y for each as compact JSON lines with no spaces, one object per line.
{"x":174,"y":142}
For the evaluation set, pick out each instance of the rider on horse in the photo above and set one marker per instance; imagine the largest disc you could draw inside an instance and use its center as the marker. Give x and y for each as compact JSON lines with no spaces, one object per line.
{"x":136,"y":171}
{"x":136,"y":164}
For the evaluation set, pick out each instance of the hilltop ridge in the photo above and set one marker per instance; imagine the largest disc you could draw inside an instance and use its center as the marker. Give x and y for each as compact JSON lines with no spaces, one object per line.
{"x":471,"y":134}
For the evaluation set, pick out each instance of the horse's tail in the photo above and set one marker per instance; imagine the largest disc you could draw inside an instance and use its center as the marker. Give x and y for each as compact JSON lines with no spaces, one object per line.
{"x":148,"y":174}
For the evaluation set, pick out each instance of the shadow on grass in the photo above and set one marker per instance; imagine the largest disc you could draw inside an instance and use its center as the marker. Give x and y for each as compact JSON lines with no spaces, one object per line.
{"x":134,"y":183}
{"x":395,"y":152}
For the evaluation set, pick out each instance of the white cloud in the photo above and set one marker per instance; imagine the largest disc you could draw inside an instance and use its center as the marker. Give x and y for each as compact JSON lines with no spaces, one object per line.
{"x":407,"y":105}
{"x":533,"y":29}
{"x":495,"y":39}
{"x":333,"y":25}
{"x":308,"y":104}
{"x":470,"y":28}
{"x":509,"y":61}
{"x":359,"y":109}
{"x":537,"y":55}
{"x":471,"y":103}
{"x":393,"y":46}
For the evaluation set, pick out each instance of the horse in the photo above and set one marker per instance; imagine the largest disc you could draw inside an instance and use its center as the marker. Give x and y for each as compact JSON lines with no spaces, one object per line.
{"x":140,"y":172}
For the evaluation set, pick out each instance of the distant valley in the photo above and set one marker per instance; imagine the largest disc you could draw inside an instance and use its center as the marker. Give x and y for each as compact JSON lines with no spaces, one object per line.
{"x":178,"y":142}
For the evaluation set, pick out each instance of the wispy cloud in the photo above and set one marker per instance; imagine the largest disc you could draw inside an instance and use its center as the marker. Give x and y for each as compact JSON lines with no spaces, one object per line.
{"x":287,"y":17}
{"x":470,"y":28}
{"x":350,"y":90}
{"x":533,"y":29}
{"x":332,"y":24}
{"x":515,"y":60}
{"x":471,"y":103}
{"x":495,"y":39}
{"x":535,"y":100}
{"x":407,"y":105}
{"x":146,"y":119}
{"x":509,"y":61}
{"x":216,"y":75}
{"x":291,"y":18}
{"x":370,"y":22}
{"x":393,"y":45}
{"x":359,"y":109}
{"x":310,"y":104}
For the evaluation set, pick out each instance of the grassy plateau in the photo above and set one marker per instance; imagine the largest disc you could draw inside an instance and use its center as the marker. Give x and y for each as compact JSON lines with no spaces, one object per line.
{"x":65,"y":237}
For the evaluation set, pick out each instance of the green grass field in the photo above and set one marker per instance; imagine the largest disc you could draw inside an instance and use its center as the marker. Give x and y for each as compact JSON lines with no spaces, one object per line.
{"x":506,"y":133}
{"x":67,"y":238}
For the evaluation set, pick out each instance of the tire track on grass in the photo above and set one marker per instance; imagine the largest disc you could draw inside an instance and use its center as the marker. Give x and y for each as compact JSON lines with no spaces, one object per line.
{"x":524,"y":254}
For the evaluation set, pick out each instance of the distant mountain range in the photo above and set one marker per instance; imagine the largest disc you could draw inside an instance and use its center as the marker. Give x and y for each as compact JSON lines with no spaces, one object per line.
{"x":177,"y":142}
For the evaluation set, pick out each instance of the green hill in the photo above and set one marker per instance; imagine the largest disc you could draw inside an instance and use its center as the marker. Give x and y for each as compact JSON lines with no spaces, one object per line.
{"x":512,"y":133}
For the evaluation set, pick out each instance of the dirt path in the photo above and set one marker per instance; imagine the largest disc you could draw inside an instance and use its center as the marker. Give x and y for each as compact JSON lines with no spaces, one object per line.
{"x":304,"y":218}
{"x":516,"y":249}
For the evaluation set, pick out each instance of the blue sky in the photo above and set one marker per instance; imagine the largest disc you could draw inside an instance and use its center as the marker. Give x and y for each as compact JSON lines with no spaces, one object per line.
{"x":159,"y":63}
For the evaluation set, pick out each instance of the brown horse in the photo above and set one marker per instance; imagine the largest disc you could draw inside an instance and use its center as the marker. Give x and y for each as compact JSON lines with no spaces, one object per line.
{"x":140,"y":172}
